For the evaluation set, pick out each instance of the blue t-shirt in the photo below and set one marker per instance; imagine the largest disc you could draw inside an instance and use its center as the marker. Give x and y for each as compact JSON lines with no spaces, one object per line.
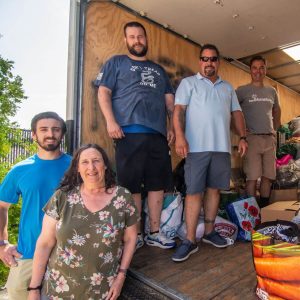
{"x":138,"y":91}
{"x":35,"y":180}
{"x":208,"y":114}
{"x":135,"y":128}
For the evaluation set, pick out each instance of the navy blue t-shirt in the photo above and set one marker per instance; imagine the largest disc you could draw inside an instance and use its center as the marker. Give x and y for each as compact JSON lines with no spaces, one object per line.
{"x":138,"y":91}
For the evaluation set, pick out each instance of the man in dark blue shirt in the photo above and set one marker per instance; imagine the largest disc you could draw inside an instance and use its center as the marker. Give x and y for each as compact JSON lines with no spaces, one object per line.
{"x":135,"y":97}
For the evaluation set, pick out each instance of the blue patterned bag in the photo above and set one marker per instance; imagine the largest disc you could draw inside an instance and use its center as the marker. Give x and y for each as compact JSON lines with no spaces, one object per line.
{"x":245,"y":213}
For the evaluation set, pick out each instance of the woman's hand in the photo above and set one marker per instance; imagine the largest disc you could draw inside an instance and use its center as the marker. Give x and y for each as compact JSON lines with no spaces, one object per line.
{"x":129,"y":239}
{"x":115,"y":289}
{"x":34,"y":295}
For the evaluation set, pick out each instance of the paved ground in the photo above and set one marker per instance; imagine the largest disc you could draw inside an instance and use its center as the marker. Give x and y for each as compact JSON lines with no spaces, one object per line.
{"x":3,"y":295}
{"x":133,"y":290}
{"x":136,"y":290}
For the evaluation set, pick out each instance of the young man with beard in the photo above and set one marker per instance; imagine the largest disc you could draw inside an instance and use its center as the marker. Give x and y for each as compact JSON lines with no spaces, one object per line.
{"x":262,"y":112}
{"x":34,"y":179}
{"x":204,"y":107}
{"x":135,"y":96}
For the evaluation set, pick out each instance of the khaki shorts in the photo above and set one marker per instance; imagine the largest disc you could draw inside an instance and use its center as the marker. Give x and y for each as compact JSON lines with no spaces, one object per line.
{"x":18,"y":280}
{"x":260,"y":157}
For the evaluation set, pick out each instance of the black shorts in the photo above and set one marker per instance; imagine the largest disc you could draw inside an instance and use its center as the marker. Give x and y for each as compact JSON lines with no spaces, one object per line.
{"x":143,"y":159}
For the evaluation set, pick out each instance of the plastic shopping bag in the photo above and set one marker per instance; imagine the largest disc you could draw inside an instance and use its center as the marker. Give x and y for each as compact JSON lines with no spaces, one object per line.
{"x":276,"y":256}
{"x":245,"y":213}
{"x":171,"y":215}
{"x":224,"y":227}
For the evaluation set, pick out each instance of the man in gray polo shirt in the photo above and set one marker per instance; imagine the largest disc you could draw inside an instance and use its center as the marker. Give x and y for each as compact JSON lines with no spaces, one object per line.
{"x":204,"y":107}
{"x":261,"y":108}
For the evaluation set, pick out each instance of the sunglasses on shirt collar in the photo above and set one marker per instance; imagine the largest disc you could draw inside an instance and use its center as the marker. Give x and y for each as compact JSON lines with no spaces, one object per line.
{"x":212,"y":58}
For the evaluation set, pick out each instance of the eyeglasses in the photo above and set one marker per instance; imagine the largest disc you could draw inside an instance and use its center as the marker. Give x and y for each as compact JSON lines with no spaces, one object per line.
{"x":212,"y":58}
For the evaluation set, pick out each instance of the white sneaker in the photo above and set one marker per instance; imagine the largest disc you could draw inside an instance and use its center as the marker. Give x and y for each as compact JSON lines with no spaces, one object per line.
{"x":139,"y":241}
{"x":159,"y":240}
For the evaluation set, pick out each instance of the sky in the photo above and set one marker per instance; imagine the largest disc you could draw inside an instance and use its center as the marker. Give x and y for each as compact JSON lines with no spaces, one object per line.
{"x":34,"y":34}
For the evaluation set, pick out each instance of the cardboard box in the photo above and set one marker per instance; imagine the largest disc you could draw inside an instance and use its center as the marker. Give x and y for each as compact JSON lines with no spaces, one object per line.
{"x":283,"y":195}
{"x":281,"y":210}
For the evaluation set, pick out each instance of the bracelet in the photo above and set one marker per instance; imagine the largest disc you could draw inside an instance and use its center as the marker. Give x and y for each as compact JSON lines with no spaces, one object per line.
{"x":124,"y":271}
{"x":243,"y":138}
{"x":35,"y":288}
{"x":4,"y":242}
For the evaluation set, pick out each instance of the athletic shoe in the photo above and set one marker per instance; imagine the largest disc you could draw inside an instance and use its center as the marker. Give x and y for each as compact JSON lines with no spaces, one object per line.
{"x":184,"y":251}
{"x":139,"y":241}
{"x":215,"y":239}
{"x":159,"y":240}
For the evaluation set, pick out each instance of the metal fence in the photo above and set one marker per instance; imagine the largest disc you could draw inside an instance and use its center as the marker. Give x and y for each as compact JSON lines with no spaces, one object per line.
{"x":23,"y":147}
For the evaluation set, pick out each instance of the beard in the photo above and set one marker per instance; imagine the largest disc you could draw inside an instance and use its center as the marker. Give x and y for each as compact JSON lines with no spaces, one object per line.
{"x":49,"y":147}
{"x":209,"y":72}
{"x":134,"y":52}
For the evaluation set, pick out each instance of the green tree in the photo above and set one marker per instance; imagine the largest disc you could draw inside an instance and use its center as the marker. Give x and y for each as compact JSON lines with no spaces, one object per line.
{"x":11,"y":95}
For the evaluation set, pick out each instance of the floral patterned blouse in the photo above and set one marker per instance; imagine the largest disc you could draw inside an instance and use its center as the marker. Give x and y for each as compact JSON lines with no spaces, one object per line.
{"x":89,"y":245}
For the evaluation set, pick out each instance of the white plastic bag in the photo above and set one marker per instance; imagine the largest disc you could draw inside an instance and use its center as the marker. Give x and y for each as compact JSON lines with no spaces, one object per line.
{"x":224,"y":227}
{"x":171,"y":215}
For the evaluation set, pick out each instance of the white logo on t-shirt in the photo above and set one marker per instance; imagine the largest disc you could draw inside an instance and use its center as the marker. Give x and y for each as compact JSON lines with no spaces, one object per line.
{"x":147,"y":75}
{"x":256,"y":99}
{"x":147,"y":79}
{"x":99,"y":76}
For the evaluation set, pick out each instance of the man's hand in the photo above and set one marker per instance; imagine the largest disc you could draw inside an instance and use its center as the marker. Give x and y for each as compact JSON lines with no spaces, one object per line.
{"x":242,"y":148}
{"x":170,"y":137}
{"x":181,"y":147}
{"x":104,"y":98}
{"x":9,"y":254}
{"x":115,"y":131}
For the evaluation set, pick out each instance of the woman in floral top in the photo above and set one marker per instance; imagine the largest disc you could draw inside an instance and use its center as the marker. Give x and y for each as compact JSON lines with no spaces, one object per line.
{"x":89,"y":233}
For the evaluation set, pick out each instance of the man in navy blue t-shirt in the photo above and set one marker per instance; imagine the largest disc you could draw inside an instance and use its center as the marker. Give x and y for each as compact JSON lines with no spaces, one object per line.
{"x":136,"y":97}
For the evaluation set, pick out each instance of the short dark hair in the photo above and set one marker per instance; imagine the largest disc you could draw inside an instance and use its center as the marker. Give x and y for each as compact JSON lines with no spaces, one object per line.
{"x":257,"y":57}
{"x":210,"y":47}
{"x":134,"y":24}
{"x":73,"y":179}
{"x":48,"y":115}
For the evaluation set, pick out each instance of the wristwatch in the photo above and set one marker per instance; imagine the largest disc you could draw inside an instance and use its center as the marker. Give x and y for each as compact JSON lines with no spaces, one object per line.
{"x":4,"y":242}
{"x":243,"y":138}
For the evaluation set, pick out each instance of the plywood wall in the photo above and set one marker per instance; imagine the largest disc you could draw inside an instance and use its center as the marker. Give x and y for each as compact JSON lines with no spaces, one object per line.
{"x":104,"y":38}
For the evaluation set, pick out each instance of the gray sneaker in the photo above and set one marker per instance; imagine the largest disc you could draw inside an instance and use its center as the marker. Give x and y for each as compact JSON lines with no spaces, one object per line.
{"x":215,"y":239}
{"x":159,"y":240}
{"x":184,"y":251}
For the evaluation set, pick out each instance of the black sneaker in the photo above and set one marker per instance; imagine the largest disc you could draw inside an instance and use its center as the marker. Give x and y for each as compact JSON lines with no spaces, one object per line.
{"x":184,"y":251}
{"x":215,"y":239}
